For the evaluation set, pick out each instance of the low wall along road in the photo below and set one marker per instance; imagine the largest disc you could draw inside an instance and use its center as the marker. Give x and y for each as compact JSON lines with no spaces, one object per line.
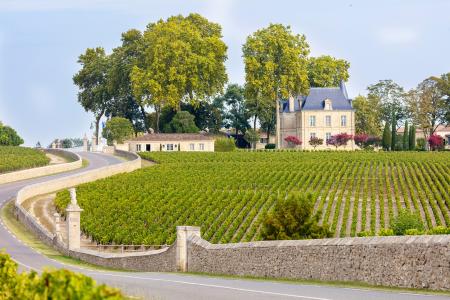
{"x":74,"y":159}
{"x":406,"y":261}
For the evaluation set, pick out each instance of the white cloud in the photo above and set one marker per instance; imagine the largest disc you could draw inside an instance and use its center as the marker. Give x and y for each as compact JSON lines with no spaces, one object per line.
{"x":397,"y":35}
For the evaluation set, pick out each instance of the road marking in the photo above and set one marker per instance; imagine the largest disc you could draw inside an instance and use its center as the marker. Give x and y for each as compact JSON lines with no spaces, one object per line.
{"x":218,"y":286}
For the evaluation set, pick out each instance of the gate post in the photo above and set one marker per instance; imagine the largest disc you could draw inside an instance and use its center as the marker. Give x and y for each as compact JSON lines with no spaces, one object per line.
{"x":73,"y":222}
{"x":183,"y":234}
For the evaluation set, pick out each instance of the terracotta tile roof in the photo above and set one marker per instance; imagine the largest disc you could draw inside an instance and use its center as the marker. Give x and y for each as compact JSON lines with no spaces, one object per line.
{"x":164,"y":137}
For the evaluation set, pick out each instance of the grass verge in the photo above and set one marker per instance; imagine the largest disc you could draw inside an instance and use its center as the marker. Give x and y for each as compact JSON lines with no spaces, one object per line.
{"x":29,"y":239}
{"x":340,"y":284}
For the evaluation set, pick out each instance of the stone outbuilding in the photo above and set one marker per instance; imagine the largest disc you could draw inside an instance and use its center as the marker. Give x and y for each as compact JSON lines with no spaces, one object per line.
{"x":170,"y":142}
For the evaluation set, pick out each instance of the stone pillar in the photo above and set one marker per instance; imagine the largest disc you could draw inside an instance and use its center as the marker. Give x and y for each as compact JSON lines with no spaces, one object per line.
{"x":53,"y":145}
{"x":85,"y":143}
{"x":94,"y":144}
{"x":183,"y":234}
{"x":57,"y":227}
{"x":73,"y":222}
{"x":291,"y":104}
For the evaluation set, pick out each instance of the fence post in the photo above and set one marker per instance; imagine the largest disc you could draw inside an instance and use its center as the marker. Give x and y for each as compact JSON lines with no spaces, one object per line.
{"x":73,"y":222}
{"x":183,"y":234}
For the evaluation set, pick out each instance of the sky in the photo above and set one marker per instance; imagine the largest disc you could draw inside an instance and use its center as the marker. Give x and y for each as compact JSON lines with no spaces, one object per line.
{"x":40,"y":41}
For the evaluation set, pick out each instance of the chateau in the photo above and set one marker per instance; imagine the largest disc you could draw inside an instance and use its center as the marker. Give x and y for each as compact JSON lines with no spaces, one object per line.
{"x":323,"y":113}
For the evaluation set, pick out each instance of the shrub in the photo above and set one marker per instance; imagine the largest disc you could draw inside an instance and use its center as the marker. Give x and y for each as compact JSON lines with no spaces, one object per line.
{"x":59,"y":284}
{"x":251,"y":137}
{"x":439,"y":230}
{"x":413,"y":231}
{"x":386,"y":232}
{"x":421,"y":144}
{"x":294,"y":219}
{"x":292,"y":141}
{"x":365,"y":233}
{"x":436,"y":142}
{"x":9,"y":137}
{"x":406,"y":220}
{"x":270,"y":146}
{"x":315,"y":141}
{"x":224,"y":144}
{"x":361,"y":139}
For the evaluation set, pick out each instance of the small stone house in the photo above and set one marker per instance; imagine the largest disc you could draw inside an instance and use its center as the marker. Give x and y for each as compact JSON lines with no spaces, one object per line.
{"x":323,"y":113}
{"x":169,"y":142}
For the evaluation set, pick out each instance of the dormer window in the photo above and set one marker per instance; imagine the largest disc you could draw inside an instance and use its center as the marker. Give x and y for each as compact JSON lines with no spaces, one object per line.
{"x":327,"y":104}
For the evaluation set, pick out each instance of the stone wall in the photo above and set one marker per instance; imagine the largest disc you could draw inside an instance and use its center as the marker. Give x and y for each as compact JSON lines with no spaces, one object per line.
{"x":407,"y":261}
{"x":75,"y":163}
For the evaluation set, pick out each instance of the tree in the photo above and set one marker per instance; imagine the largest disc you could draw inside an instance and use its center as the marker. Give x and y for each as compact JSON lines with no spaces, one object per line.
{"x":124,"y":103}
{"x":207,"y":115}
{"x":406,"y":137}
{"x":293,"y":218}
{"x":394,"y":132}
{"x":92,"y":81}
{"x":9,"y":137}
{"x":436,"y":142}
{"x":267,"y":119}
{"x":251,"y":136}
{"x":66,"y":143}
{"x":327,"y":71}
{"x":276,"y":66}
{"x":428,"y":106}
{"x":234,"y":110}
{"x":183,"y":61}
{"x":292,"y":141}
{"x":361,"y":139}
{"x":315,"y":141}
{"x":117,"y":129}
{"x":444,"y":86}
{"x":391,"y":97}
{"x":182,"y":122}
{"x":257,"y":106}
{"x":367,"y":115}
{"x":387,"y":139}
{"x":412,"y":138}
{"x":224,"y":144}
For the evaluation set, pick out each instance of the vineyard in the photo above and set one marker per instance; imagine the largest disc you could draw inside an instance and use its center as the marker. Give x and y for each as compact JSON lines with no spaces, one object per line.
{"x":228,"y":194}
{"x":17,"y":158}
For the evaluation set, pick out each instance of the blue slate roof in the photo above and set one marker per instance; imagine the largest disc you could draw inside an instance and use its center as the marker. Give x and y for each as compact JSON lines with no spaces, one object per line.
{"x":315,"y":99}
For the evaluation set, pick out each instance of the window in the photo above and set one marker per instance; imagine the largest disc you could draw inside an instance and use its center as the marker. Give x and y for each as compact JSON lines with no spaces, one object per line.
{"x":202,"y":146}
{"x":327,"y":136}
{"x":263,"y":140}
{"x":343,"y":120}
{"x":312,"y":120}
{"x":148,"y":147}
{"x":192,"y":147}
{"x":169,"y":147}
{"x":328,"y":121}
{"x":138,"y":147}
{"x":312,"y":135}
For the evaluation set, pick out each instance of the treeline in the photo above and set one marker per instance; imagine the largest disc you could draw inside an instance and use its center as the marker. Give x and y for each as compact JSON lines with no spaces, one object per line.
{"x":172,"y":77}
{"x":387,"y":107}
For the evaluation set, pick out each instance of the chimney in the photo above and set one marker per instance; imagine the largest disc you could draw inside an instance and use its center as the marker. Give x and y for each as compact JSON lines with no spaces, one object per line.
{"x":291,"y":104}
{"x":343,"y":89}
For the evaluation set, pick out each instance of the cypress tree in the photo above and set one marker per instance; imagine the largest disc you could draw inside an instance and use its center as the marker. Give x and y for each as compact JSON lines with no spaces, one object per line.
{"x":394,"y":132}
{"x":406,"y":137}
{"x":412,"y":138}
{"x":386,"y":137}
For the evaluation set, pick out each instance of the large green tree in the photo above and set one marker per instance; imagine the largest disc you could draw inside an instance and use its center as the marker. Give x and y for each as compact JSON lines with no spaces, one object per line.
{"x":367,"y":115}
{"x":276,"y":65}
{"x":428,"y":106}
{"x":182,"y":122}
{"x":122,"y":60}
{"x":235,"y":112}
{"x":391,"y":97}
{"x":327,"y":71}
{"x":183,"y":61}
{"x":92,"y":80}
{"x":444,"y":86}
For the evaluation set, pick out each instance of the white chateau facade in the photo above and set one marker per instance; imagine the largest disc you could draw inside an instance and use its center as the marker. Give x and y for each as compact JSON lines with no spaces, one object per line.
{"x":323,"y":113}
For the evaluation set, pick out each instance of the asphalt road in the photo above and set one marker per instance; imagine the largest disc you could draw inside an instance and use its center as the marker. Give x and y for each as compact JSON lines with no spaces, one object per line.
{"x":181,"y":286}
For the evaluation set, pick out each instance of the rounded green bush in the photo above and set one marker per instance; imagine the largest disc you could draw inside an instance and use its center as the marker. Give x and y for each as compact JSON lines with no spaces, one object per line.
{"x":406,"y":221}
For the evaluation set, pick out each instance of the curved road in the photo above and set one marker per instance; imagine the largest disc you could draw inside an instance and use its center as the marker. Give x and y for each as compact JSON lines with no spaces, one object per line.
{"x":180,"y":286}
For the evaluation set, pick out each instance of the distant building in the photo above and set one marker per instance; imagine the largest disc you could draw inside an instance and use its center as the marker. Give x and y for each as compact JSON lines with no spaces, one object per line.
{"x":169,"y":142}
{"x":323,"y":113}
